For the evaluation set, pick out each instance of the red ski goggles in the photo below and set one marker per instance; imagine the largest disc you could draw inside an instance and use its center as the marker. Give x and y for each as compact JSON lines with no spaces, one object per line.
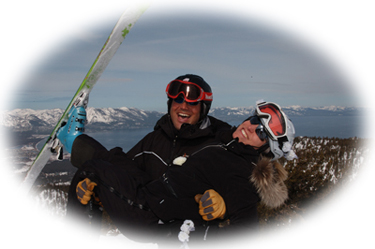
{"x":273,"y":118}
{"x":191,"y":91}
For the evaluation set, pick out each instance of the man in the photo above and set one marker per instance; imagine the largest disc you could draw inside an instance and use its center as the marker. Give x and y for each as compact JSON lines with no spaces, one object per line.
{"x":184,"y":129}
{"x":240,"y":165}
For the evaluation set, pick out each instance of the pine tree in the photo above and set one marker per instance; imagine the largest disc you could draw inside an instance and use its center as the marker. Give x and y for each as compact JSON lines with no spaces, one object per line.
{"x":323,"y":165}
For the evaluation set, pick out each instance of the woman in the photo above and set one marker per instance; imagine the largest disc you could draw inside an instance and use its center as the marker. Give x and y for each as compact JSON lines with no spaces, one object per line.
{"x":241,"y":166}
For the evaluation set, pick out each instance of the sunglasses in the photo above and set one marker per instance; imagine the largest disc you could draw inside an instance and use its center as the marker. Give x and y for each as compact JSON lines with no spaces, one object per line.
{"x":190,"y":91}
{"x":260,"y":129}
{"x":273,"y":119}
{"x":180,"y":99}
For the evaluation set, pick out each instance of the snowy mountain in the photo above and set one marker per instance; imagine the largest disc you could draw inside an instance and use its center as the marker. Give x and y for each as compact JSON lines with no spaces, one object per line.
{"x":99,"y":119}
{"x":41,"y":121}
{"x":227,"y":113}
{"x":120,"y":118}
{"x":28,"y":119}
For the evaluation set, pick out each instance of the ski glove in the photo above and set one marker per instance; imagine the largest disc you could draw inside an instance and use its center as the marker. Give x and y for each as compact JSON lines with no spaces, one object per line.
{"x":211,"y":205}
{"x":85,"y":191}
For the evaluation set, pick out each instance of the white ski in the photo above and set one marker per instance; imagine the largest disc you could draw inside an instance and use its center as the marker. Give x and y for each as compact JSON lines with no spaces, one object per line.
{"x":121,"y":29}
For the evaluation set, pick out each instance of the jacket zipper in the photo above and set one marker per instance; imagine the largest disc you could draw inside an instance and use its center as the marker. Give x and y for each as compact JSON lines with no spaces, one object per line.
{"x":169,"y":187}
{"x":172,"y":151}
{"x":164,"y":176}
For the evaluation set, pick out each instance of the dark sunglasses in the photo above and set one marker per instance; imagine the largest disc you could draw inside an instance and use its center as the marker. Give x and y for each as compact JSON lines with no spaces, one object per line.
{"x":180,"y":100}
{"x":260,"y":129}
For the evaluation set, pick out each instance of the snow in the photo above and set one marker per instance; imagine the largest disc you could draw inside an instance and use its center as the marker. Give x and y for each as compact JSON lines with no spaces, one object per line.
{"x":123,"y":242}
{"x":294,"y":107}
{"x":27,"y":147}
{"x":23,"y":169}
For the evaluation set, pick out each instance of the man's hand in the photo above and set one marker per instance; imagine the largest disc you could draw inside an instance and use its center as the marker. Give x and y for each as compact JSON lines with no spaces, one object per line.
{"x":211,"y":205}
{"x":85,"y":190}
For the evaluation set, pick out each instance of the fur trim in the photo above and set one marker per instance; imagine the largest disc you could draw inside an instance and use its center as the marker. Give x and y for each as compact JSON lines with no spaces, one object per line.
{"x":268,"y":177}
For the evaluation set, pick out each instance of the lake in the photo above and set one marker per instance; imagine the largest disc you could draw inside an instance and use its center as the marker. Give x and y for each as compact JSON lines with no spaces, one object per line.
{"x":319,"y":126}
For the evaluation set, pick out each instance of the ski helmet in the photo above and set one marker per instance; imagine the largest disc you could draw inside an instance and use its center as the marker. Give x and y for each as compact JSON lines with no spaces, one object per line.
{"x":194,"y":89}
{"x":279,"y":128}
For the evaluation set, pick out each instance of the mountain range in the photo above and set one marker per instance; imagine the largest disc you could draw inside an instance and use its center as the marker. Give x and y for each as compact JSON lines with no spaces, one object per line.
{"x":101,"y":119}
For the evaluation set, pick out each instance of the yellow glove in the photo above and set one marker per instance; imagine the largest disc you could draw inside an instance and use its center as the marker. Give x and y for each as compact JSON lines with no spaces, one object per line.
{"x":85,"y":190}
{"x":211,"y":205}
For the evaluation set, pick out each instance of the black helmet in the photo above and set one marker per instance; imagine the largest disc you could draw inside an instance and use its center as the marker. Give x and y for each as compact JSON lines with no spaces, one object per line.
{"x":198,"y":90}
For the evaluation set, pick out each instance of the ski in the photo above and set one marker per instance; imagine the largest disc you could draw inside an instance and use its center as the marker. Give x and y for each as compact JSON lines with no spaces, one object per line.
{"x":121,"y":29}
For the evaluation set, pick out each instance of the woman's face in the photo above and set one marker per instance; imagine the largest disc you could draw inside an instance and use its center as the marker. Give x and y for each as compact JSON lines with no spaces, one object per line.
{"x":246,"y":134}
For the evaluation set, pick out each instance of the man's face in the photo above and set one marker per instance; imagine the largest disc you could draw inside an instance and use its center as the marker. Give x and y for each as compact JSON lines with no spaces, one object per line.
{"x":246,"y":134}
{"x":184,"y":113}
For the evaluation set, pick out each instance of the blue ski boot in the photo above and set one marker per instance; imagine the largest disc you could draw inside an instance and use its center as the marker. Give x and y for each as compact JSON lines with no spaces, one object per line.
{"x":75,"y":127}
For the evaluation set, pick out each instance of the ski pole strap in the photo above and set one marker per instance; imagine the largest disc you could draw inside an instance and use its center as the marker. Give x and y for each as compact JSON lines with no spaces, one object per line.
{"x":117,"y":193}
{"x":168,"y":185}
{"x":90,"y":210}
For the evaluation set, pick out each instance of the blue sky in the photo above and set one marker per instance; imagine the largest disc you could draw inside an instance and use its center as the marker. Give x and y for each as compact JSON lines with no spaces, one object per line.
{"x":243,"y":59}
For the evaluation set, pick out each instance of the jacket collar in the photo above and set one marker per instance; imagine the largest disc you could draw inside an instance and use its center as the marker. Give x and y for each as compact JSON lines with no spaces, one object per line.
{"x":187,"y":131}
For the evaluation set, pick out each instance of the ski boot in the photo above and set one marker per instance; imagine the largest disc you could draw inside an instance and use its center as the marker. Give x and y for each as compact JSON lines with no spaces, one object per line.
{"x":73,"y":128}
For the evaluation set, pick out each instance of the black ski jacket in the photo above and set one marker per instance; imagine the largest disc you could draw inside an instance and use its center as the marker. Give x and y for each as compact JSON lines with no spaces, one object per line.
{"x":239,"y":173}
{"x":152,"y":155}
{"x":233,"y":169}
{"x":155,"y":152}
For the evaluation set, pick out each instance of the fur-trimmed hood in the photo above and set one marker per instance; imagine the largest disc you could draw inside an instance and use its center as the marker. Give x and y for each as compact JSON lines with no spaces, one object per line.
{"x":268,"y":177}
